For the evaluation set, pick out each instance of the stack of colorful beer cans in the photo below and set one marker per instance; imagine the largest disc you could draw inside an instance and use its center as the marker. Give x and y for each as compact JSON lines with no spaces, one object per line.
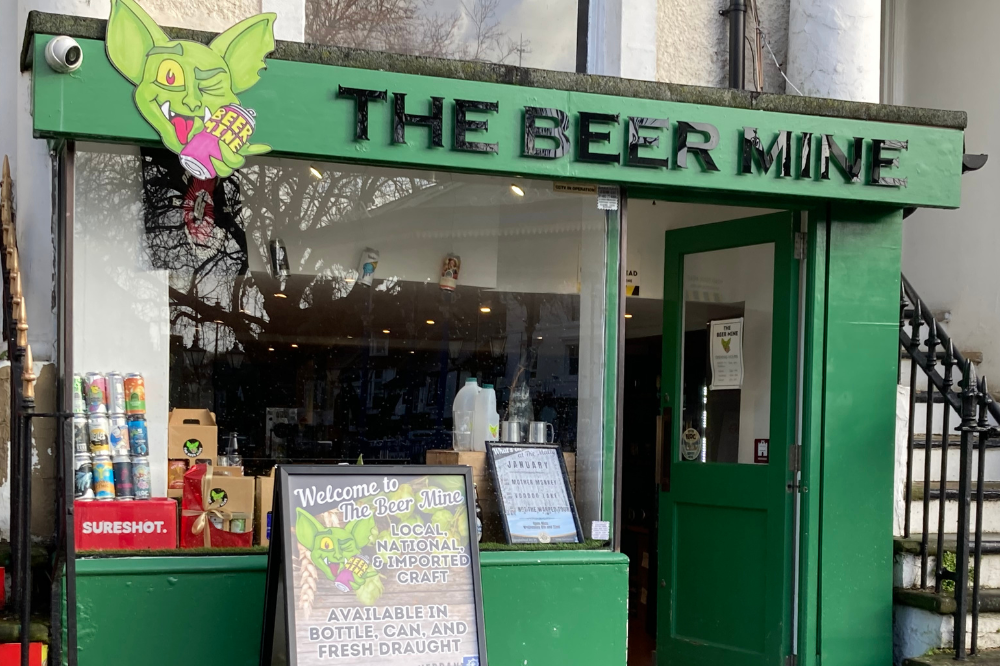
{"x":110,"y":438}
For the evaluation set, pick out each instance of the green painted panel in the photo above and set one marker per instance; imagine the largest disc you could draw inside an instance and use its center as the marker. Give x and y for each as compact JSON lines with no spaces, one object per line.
{"x":563,"y":607}
{"x":300,"y":114}
{"x":859,"y":394}
{"x":717,"y":610}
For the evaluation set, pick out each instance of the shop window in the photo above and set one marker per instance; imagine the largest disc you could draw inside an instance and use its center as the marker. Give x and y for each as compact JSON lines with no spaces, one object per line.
{"x":541,"y":33}
{"x":326,"y":312}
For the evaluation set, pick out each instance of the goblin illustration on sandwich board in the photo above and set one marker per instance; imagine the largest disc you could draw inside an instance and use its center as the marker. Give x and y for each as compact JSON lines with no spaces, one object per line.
{"x":189,"y":92}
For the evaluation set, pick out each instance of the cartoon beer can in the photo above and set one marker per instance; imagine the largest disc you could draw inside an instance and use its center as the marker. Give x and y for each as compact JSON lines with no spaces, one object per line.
{"x":83,"y":474}
{"x":138,"y":436}
{"x":135,"y":394}
{"x":449,"y":272}
{"x":176,"y":469}
{"x":97,"y":393}
{"x":124,"y":485}
{"x":99,"y":429}
{"x":231,"y":125}
{"x":140,"y":477}
{"x":104,"y":477}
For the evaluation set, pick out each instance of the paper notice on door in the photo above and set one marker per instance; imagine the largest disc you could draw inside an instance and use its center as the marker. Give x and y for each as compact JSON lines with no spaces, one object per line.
{"x":726,"y":350}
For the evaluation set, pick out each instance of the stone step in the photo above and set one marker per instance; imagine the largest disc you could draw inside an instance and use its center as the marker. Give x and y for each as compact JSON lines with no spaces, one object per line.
{"x":947,"y":658}
{"x":906,"y":561}
{"x":924,"y":622}
{"x":991,"y":507}
{"x":992,"y":470}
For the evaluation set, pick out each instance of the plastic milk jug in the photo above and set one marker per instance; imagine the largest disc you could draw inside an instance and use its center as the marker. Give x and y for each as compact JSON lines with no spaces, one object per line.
{"x":463,"y":413}
{"x":487,"y":420}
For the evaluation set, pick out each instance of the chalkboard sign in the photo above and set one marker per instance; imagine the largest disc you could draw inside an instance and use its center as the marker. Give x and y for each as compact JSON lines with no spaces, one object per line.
{"x":533,"y":492}
{"x":373,"y":564}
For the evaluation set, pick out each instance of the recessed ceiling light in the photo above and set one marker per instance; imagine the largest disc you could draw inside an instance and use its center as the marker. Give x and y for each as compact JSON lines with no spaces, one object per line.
{"x":430,"y":322}
{"x":386,"y":331}
{"x":348,"y":280}
{"x":280,"y":295}
{"x":516,"y":189}
{"x":538,"y":338}
{"x":349,"y":337}
{"x":216,"y":321}
{"x":294,"y":346}
{"x":315,"y":173}
{"x":485,"y":309}
{"x":413,"y":352}
{"x":628,"y":316}
{"x":270,"y":349}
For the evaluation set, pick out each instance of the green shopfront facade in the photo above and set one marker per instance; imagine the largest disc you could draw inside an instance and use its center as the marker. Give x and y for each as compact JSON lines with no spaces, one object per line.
{"x":750,"y":556}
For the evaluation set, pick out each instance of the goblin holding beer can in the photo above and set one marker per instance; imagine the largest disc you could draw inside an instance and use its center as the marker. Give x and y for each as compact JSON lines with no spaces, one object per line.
{"x":231,"y":125}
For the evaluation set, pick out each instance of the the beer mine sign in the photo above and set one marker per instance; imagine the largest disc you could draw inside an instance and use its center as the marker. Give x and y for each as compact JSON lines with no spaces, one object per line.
{"x":373,"y":565}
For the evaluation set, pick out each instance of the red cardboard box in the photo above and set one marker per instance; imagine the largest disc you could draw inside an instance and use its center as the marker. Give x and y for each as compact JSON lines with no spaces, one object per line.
{"x":199,"y":508}
{"x":10,"y":653}
{"x":139,"y":525}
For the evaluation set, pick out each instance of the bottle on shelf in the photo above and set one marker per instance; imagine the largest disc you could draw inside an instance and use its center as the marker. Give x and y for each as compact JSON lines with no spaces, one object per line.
{"x":463,"y":412}
{"x":235,"y":459}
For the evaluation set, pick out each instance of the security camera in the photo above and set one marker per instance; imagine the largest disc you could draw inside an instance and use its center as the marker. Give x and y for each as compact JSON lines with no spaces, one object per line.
{"x":63,"y":54}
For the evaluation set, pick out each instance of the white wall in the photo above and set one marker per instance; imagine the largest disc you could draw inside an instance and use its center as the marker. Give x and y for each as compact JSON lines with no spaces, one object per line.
{"x":945,"y":58}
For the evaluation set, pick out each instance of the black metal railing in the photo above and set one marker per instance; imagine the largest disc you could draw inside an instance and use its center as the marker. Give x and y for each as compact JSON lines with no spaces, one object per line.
{"x":936,"y":357}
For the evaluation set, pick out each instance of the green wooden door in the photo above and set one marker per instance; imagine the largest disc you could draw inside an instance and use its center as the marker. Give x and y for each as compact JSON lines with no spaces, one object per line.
{"x":730,"y":302}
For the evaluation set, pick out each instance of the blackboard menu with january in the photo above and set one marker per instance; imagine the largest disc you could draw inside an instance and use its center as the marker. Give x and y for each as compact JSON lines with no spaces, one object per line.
{"x":534,"y":495}
{"x":375,"y":566}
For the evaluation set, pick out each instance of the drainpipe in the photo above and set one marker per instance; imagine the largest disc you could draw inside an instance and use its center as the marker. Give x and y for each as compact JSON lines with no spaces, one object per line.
{"x":737,"y":36}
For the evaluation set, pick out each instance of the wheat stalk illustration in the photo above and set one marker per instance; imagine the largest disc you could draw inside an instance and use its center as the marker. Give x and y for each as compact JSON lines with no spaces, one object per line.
{"x":309,"y":575}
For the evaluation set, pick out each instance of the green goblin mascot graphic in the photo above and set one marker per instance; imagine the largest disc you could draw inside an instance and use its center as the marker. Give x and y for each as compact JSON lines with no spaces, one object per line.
{"x":188,"y":92}
{"x":336,"y":552}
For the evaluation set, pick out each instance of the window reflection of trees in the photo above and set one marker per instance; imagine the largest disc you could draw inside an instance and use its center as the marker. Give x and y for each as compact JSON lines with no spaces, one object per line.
{"x":472,"y":31}
{"x":392,"y":401}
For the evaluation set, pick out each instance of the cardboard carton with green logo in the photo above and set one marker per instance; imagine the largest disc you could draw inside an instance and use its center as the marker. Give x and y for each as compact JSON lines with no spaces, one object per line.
{"x":192,"y":434}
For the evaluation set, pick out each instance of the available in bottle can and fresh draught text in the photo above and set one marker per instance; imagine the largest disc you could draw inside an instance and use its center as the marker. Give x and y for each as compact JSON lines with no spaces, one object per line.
{"x":116,"y":393}
{"x":96,"y":386}
{"x":138,"y":436}
{"x":99,"y":428}
{"x":140,"y":478}
{"x":135,"y":394}
{"x":83,"y":477}
{"x":124,"y":485}
{"x":118,"y":435}
{"x":79,"y":395}
{"x":81,"y":434}
{"x":104,"y":477}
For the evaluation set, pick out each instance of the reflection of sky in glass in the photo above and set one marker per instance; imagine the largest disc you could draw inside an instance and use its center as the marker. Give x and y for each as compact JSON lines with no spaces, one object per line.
{"x":530,"y":33}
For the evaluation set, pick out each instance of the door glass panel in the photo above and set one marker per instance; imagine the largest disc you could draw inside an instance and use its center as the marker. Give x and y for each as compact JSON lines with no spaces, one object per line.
{"x":726,"y":365}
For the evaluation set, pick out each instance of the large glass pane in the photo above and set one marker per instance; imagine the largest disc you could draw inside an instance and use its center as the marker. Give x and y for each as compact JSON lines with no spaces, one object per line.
{"x":728,"y":307}
{"x":325,"y":312}
{"x":540,"y":33}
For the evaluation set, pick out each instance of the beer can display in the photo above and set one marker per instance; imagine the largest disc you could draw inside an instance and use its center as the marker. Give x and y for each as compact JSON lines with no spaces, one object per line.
{"x":83,"y":476}
{"x":138,"y":436}
{"x":116,"y":393}
{"x":104,"y":477}
{"x":96,"y":386}
{"x":135,"y":394}
{"x":124,"y":485}
{"x":140,"y":478}
{"x":79,"y":395}
{"x":81,"y":434}
{"x":99,"y":428}
{"x":118,"y":435}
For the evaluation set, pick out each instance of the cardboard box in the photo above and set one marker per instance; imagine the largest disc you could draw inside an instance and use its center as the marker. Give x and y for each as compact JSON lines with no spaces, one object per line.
{"x":139,"y":525}
{"x":492,"y":527}
{"x":262,"y":515}
{"x":228,"y":494}
{"x":192,"y":434}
